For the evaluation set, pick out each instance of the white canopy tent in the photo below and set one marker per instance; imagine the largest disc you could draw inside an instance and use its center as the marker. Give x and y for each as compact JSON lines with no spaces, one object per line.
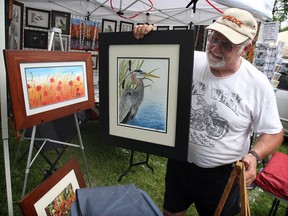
{"x":158,"y":12}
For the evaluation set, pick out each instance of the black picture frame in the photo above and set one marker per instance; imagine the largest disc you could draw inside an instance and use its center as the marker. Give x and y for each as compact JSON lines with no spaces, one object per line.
{"x":37,"y":18}
{"x":180,"y":28}
{"x":61,"y":20}
{"x":162,"y":28}
{"x":126,"y":26}
{"x":35,"y":39}
{"x":171,"y":45}
{"x":109,"y":25}
{"x":15,"y":32}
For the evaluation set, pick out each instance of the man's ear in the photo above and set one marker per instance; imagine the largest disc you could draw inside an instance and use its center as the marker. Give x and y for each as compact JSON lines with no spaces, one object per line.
{"x":246,"y":49}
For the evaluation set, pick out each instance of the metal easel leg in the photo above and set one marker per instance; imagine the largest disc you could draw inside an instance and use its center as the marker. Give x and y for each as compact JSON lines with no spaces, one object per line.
{"x":81,"y":146}
{"x":28,"y":165}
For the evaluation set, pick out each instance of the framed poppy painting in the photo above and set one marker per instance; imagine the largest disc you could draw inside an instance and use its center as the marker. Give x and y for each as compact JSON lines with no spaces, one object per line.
{"x":47,"y":85}
{"x":145,"y":91}
{"x":55,"y":195}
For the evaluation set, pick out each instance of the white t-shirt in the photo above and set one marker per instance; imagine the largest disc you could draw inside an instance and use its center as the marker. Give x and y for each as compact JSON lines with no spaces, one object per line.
{"x":225,"y":109}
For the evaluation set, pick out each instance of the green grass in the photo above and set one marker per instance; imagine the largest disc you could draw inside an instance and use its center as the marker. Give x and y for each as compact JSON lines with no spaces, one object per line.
{"x":105,"y":164}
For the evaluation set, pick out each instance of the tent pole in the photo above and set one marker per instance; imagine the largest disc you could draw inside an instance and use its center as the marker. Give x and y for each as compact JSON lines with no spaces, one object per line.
{"x":4,"y":114}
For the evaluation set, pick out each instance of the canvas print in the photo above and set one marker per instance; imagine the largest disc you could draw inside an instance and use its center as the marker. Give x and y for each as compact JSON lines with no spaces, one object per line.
{"x":143,"y":93}
{"x":84,"y":34}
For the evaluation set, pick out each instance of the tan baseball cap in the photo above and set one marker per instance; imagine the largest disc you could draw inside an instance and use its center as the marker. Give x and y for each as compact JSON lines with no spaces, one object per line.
{"x":235,"y":24}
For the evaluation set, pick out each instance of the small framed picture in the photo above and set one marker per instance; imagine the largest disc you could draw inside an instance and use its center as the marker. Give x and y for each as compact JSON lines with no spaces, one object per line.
{"x":15,"y":33}
{"x":180,"y":27}
{"x":126,"y":26}
{"x":37,"y":18}
{"x":162,"y":28}
{"x":57,"y":46}
{"x":35,"y":39}
{"x":109,"y":25}
{"x":94,"y":62}
{"x":61,"y":20}
{"x":56,"y":194}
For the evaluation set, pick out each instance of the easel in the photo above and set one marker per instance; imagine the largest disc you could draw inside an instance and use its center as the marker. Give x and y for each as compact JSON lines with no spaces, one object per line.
{"x":30,"y":161}
{"x":239,"y":170}
{"x":132,"y":163}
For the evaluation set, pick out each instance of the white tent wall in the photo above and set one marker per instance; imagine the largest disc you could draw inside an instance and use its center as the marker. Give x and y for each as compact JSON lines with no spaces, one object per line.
{"x":161,"y":12}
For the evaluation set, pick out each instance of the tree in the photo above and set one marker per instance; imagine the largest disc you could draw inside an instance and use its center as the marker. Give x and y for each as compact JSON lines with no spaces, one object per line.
{"x":280,"y":10}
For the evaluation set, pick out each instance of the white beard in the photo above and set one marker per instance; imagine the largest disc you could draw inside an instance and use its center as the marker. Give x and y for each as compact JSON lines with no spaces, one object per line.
{"x":213,"y":63}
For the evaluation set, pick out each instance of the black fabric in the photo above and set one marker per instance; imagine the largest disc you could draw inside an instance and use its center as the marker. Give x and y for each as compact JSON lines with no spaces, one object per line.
{"x":125,"y":200}
{"x":187,"y":183}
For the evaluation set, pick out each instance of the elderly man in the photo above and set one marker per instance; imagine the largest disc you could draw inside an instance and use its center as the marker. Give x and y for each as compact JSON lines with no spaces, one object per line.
{"x":230,"y":97}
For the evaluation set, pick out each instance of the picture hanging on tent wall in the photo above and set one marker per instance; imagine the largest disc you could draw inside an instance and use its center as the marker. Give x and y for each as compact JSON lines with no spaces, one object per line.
{"x":126,"y":26}
{"x":37,"y":18}
{"x":146,"y":91}
{"x":35,"y":39}
{"x":84,"y":34}
{"x":15,"y":31}
{"x":61,"y":20}
{"x":108,"y":25}
{"x":56,"y":194}
{"x":47,"y":85}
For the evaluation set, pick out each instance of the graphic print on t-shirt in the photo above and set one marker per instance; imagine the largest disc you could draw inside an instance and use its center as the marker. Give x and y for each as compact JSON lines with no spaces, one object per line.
{"x":205,"y":122}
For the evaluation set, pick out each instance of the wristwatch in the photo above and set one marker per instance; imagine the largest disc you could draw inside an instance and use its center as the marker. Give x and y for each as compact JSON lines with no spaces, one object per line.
{"x":256,"y":156}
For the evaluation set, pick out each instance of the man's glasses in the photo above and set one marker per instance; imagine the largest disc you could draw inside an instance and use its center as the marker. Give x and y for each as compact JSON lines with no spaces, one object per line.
{"x":225,"y":46}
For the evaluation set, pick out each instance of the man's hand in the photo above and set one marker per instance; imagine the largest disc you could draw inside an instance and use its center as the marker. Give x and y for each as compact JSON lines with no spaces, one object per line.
{"x":141,"y":30}
{"x":250,"y":165}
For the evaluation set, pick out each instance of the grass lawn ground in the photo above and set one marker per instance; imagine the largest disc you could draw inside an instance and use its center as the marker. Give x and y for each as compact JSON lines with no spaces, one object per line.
{"x":105,"y":164}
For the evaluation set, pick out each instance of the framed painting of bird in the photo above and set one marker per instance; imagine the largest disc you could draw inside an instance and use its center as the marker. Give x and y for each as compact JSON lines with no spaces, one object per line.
{"x":37,"y":18}
{"x":145,"y":91}
{"x":61,"y":20}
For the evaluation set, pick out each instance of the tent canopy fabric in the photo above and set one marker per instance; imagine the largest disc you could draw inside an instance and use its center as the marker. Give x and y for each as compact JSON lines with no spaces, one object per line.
{"x":158,"y":12}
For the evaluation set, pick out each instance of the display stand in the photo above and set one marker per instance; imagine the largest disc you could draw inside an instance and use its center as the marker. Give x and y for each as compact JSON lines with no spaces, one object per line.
{"x":132,"y":163}
{"x":238,"y":170}
{"x":31,"y":160}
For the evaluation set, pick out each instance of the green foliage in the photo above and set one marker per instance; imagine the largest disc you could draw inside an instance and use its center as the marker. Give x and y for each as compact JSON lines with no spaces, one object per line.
{"x":280,"y":10}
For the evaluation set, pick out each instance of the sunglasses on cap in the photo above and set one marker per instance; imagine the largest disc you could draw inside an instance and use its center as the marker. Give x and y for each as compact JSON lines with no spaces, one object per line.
{"x":225,"y":46}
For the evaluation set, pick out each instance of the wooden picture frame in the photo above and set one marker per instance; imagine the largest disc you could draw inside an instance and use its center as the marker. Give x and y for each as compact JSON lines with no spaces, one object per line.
{"x":180,"y":28}
{"x":15,"y":32}
{"x":165,"y":130}
{"x":47,"y":85}
{"x":108,"y":25}
{"x":162,"y":28}
{"x":126,"y":26}
{"x":61,"y":20}
{"x":94,"y":62}
{"x":35,"y":39}
{"x":37,"y":18}
{"x":63,"y":182}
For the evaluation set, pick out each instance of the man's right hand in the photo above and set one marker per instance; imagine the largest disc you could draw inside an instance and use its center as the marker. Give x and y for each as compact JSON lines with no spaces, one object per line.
{"x":141,"y":30}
